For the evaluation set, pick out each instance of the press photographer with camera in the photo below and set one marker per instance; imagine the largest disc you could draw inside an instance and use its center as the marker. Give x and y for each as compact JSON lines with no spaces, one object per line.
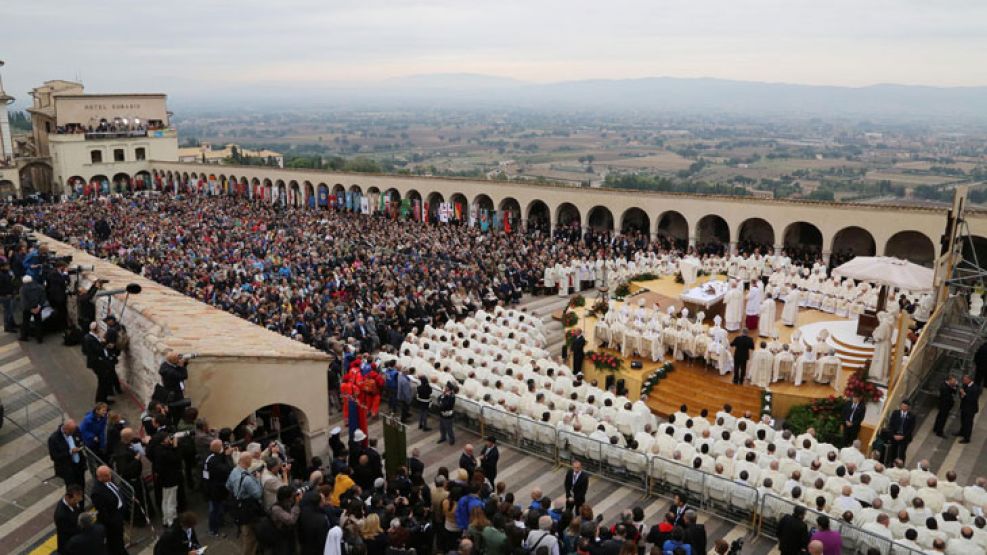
{"x":56,"y":279}
{"x":33,"y":301}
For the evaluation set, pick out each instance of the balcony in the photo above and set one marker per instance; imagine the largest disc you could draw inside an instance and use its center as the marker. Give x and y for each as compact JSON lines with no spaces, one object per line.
{"x":118,"y":134}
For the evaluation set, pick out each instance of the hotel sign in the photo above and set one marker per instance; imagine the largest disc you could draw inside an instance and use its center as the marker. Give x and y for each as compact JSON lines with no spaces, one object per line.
{"x":104,"y":107}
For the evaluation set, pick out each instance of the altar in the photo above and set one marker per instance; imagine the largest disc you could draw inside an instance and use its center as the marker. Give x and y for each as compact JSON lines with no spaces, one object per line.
{"x":707,"y":298}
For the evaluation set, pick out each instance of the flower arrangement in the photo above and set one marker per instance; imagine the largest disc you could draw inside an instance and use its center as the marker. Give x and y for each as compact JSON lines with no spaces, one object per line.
{"x":651,"y":381}
{"x":647,"y":276}
{"x":569,"y":319}
{"x":569,"y":336}
{"x":603,"y":361}
{"x":577,"y":301}
{"x":622,"y":291}
{"x":600,"y":308}
{"x":858,"y":386}
{"x":825,"y":415}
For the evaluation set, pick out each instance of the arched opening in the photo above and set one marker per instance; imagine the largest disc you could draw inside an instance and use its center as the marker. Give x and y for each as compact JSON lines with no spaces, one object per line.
{"x":568,"y":221}
{"x":911,"y":245}
{"x":121,"y":182}
{"x":280,"y":193}
{"x":850,"y":242}
{"x":460,"y":206}
{"x":412,"y":209}
{"x":975,"y":253}
{"x":283,"y":423}
{"x":323,"y":200}
{"x":293,"y":193}
{"x":755,"y":234}
{"x":142,"y":180}
{"x":337,"y":189}
{"x":309,"y":195}
{"x":510,"y":214}
{"x":635,"y":221}
{"x":229,"y":185}
{"x":803,"y":242}
{"x":37,"y":176}
{"x":600,"y":219}
{"x":75,"y":184}
{"x":7,"y":189}
{"x":356,"y":189}
{"x":712,"y":233}
{"x":100,"y":184}
{"x":539,"y":217}
{"x":268,"y":190}
{"x":434,"y":201}
{"x":673,"y":230}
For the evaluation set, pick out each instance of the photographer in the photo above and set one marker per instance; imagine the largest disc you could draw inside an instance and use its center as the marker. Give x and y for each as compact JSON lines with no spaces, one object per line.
{"x":215,"y":471}
{"x":56,"y":288}
{"x":284,"y":515}
{"x":168,"y":473}
{"x":174,"y":372}
{"x":126,"y":459}
{"x":32,"y":301}
{"x":7,"y":291}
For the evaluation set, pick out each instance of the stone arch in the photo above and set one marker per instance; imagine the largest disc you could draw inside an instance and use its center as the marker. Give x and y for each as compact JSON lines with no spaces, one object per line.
{"x":230,"y":184}
{"x":755,"y":233}
{"x":539,"y":217}
{"x":802,"y":239}
{"x":510,"y":207}
{"x":413,"y":195}
{"x":600,"y":218}
{"x":142,"y":180}
{"x":323,"y":200}
{"x":392,"y":195}
{"x":567,"y":215}
{"x":338,"y":188}
{"x":853,"y":241}
{"x":434,"y":199}
{"x":280,"y":192}
{"x":294,"y":193}
{"x":121,"y":182}
{"x":7,"y":189}
{"x":268,"y":190}
{"x":309,"y":194}
{"x":356,"y":189}
{"x":636,"y":220}
{"x":37,"y":176}
{"x":911,"y":245}
{"x":673,"y":227}
{"x":75,"y":183}
{"x":712,"y":229}
{"x":102,"y":183}
{"x":244,"y":187}
{"x":483,"y":202}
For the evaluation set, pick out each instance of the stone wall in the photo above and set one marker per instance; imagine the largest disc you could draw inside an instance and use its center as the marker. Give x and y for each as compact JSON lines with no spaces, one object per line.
{"x":240,"y":366}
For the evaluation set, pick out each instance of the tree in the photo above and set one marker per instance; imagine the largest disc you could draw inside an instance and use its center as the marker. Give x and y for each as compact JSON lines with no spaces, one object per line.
{"x":235,"y":154}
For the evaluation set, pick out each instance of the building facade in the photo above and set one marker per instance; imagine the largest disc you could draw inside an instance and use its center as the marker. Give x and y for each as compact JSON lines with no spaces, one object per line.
{"x":103,"y":140}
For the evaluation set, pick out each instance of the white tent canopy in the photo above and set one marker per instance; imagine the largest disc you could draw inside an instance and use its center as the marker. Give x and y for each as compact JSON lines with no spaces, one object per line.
{"x":890,"y":271}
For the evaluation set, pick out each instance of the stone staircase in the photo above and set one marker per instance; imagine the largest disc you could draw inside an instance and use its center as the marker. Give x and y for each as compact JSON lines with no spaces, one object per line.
{"x":695,"y":386}
{"x":28,"y":488}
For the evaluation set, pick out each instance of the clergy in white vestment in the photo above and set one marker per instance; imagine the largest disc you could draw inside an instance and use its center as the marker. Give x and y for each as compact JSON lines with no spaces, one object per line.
{"x":882,"y":335}
{"x":753,"y":309}
{"x":761,"y":366}
{"x":784,"y":361}
{"x":766,"y":324}
{"x":790,"y":314}
{"x":805,"y":362}
{"x":734,"y":312}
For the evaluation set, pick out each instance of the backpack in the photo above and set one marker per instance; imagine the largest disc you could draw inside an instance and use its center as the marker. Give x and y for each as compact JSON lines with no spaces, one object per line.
{"x":248,"y":509}
{"x":267,"y":534}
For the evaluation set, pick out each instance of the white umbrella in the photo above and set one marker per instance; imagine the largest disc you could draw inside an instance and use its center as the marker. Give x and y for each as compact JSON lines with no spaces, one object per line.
{"x":890,"y":271}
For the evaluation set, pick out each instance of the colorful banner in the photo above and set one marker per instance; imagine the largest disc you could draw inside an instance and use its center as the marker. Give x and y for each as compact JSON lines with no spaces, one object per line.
{"x":364,"y":205}
{"x":484,"y":220}
{"x":459,"y":212}
{"x":323,"y":197}
{"x":405,"y":207}
{"x":425,"y":214}
{"x":416,"y":211}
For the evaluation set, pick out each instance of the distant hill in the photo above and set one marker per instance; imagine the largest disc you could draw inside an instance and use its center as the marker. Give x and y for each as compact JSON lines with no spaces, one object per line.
{"x":651,"y":94}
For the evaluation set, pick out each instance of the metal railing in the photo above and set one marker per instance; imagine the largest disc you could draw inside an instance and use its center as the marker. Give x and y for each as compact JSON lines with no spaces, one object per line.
{"x":30,"y":410}
{"x":136,"y":497}
{"x":855,"y":539}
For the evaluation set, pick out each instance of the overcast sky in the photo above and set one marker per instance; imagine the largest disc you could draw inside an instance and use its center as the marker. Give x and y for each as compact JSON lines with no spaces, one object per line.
{"x":186,"y":47}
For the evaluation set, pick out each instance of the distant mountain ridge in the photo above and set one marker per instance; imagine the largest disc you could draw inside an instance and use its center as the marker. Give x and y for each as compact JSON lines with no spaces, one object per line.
{"x":653,"y":94}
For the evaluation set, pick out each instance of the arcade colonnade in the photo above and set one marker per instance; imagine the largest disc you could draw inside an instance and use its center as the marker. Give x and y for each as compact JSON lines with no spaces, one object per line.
{"x":825,"y":227}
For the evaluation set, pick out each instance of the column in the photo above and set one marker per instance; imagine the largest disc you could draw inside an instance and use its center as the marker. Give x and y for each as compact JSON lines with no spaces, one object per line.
{"x":733,"y":248}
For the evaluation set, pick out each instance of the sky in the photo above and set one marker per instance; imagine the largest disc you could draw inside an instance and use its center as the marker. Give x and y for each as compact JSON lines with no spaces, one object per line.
{"x":189,"y":48}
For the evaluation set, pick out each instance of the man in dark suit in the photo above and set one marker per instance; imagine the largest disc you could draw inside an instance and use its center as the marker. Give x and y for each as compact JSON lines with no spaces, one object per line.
{"x":679,"y":508}
{"x":110,"y":506}
{"x":489,"y":456}
{"x":853,"y":417}
{"x":902,"y":426}
{"x":65,"y":450}
{"x":742,"y":347}
{"x":467,"y":461}
{"x":793,"y":534}
{"x":56,"y":289}
{"x":578,"y":347}
{"x":415,"y":465}
{"x":947,"y":397}
{"x":91,"y":539}
{"x":980,"y":361}
{"x":67,"y":516}
{"x":576,"y":483}
{"x":695,"y":533}
{"x":98,"y":360}
{"x":180,"y":538}
{"x":969,"y":405}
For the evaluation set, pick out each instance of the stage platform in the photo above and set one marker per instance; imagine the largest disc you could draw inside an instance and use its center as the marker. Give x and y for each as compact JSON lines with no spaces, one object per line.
{"x":853,"y":350}
{"x":692,"y":382}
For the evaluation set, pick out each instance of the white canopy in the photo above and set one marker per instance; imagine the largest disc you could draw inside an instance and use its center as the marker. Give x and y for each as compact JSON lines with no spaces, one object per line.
{"x":890,"y":271}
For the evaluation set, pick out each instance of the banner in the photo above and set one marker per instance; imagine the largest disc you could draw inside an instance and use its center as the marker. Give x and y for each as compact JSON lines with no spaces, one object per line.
{"x":405,"y":207}
{"x":445,"y":212}
{"x":473,"y":216}
{"x":459,"y":212}
{"x":484,"y":220}
{"x":507,"y":222}
{"x":416,"y":211}
{"x":383,"y":203}
{"x":364,"y":205}
{"x":498,"y":218}
{"x":425,"y":214}
{"x":323,"y":197}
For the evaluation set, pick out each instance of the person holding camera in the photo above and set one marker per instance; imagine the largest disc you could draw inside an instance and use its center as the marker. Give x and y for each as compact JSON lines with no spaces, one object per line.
{"x":247,"y":494}
{"x":215,"y":471}
{"x":98,"y":360}
{"x":127,"y":459}
{"x":284,"y":515}
{"x":174,"y":372}
{"x":7,"y":291}
{"x":33,"y":300}
{"x":56,"y":289}
{"x":168,"y":473}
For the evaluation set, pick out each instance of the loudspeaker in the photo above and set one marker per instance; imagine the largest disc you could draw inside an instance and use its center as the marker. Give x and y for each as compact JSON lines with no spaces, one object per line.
{"x":636,"y":365}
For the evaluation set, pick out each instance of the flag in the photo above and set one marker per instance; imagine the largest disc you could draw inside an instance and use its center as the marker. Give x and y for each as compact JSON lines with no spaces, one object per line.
{"x":507,"y":222}
{"x":484,"y":220}
{"x":425,"y":212}
{"x":459,"y":211}
{"x":405,"y":207}
{"x":383,"y":204}
{"x":416,"y":211}
{"x":365,"y":205}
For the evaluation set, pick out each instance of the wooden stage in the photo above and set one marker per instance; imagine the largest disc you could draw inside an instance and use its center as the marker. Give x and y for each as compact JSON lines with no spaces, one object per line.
{"x":692,"y":382}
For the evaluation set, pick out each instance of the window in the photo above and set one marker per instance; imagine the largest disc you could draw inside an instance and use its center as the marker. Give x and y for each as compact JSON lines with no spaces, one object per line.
{"x":48,"y":127}
{"x":140,"y":153}
{"x":96,"y":156}
{"x":118,"y":155}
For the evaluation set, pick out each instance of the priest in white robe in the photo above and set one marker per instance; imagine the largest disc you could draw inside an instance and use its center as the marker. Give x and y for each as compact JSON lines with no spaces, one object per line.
{"x":753,"y":309}
{"x":882,"y":335}
{"x":766,"y":324}
{"x":783,"y":364}
{"x":734,"y":300}
{"x":790,"y":314}
{"x":761,"y":366}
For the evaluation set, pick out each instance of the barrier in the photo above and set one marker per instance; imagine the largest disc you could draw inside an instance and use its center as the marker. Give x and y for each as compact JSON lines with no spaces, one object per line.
{"x":135,"y":505}
{"x":29,"y":412}
{"x":855,"y":539}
